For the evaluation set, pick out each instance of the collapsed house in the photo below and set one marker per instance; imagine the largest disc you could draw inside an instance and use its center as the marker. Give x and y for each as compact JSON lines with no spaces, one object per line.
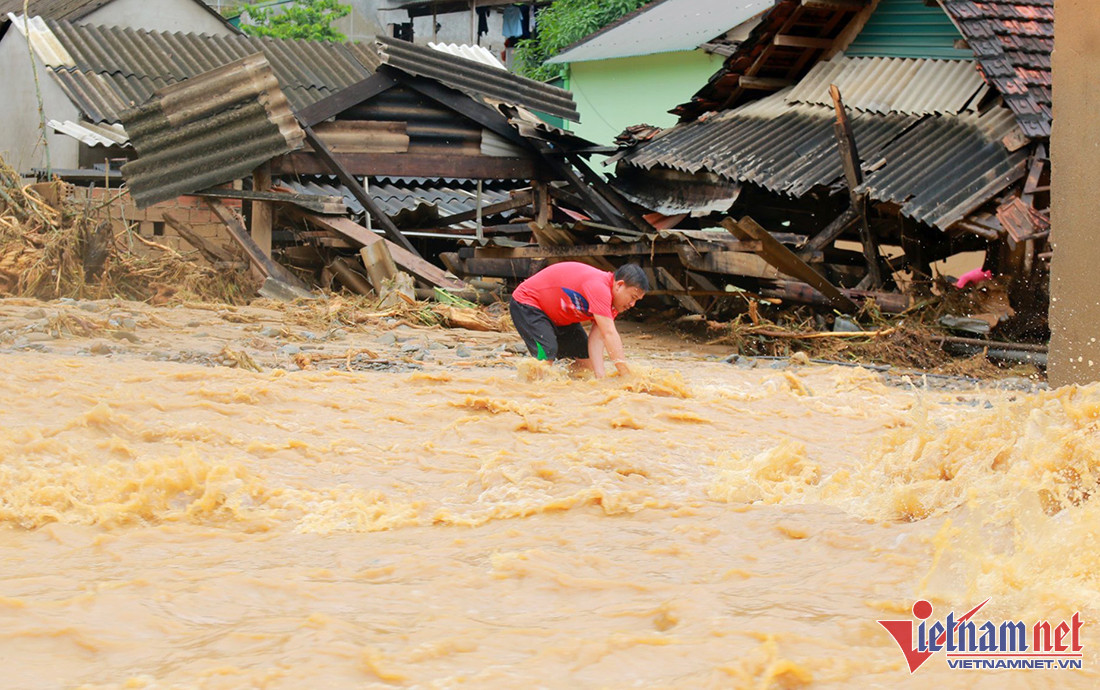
{"x":775,"y":183}
{"x":915,"y":130}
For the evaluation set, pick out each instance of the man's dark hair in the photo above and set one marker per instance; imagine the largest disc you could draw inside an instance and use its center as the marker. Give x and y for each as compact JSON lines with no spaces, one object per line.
{"x":633,"y":276}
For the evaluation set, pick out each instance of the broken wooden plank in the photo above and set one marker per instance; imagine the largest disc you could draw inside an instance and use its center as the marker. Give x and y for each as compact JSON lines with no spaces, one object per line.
{"x":832,"y":231}
{"x":429,"y":273}
{"x":358,"y":192}
{"x":266,"y":265}
{"x":785,"y":260}
{"x":211,"y":251}
{"x":849,"y":154}
{"x":791,"y":41}
{"x":263,"y":213}
{"x":678,"y":291}
{"x":763,"y":83}
{"x":316,"y":203}
{"x":568,"y":252}
{"x":728,"y":263}
{"x":350,"y":278}
{"x":887,"y":302}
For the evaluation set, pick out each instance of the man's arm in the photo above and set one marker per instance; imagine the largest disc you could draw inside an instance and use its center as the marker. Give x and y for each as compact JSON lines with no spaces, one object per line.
{"x":604,"y":334}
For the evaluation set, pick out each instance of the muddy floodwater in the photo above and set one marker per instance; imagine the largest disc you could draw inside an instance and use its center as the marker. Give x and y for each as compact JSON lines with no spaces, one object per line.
{"x":169,"y":522}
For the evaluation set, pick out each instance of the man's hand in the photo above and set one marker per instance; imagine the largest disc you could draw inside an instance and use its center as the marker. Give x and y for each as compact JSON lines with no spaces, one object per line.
{"x":604,"y":334}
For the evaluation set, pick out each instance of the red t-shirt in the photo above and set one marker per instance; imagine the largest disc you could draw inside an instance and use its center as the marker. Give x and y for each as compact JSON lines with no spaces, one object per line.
{"x":568,"y":292}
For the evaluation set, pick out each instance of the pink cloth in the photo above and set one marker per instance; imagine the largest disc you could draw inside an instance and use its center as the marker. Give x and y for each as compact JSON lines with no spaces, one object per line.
{"x":975,"y":276}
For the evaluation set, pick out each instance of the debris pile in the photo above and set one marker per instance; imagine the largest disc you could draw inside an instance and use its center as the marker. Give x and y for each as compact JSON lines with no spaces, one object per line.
{"x":53,"y":245}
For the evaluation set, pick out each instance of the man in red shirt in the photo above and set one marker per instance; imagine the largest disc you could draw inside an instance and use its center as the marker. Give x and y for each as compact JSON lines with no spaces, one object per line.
{"x":549,"y":307}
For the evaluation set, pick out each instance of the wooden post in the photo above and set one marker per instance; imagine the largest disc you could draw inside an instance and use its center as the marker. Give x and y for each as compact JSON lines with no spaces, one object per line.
{"x":263,"y":262}
{"x":540,"y":201}
{"x":262,"y":211}
{"x":849,"y":155}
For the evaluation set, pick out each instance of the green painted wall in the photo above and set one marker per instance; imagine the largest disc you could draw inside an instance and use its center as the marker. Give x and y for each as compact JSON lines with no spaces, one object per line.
{"x":908,"y":29}
{"x":614,"y":94}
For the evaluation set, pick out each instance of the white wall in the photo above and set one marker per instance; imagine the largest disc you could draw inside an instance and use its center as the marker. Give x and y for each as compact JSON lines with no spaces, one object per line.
{"x":185,"y":16}
{"x":20,"y":136}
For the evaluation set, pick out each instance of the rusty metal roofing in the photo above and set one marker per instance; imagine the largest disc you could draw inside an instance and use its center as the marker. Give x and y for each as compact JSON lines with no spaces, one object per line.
{"x":477,"y":79}
{"x":937,"y":167}
{"x":898,"y":85}
{"x":401,"y":197}
{"x":1013,"y":41}
{"x":210,"y":129}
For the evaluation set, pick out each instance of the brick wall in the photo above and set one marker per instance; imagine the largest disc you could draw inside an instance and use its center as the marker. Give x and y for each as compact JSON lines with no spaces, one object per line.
{"x":149,"y":222}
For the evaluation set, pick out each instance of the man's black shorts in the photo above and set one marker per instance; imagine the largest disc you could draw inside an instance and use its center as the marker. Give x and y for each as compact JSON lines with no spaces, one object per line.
{"x":536,"y":328}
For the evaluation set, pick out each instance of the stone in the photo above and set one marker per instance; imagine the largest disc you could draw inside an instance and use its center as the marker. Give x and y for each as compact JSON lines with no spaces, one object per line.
{"x":194,"y":324}
{"x":845,"y":325}
{"x":90,"y":306}
{"x":338,"y":334}
{"x":410,"y":347}
{"x":290,"y":349}
{"x":100,"y":348}
{"x":462,"y":351}
{"x":270,"y":332}
{"x":38,"y":337}
{"x":309,"y":335}
{"x":35,"y":314}
{"x":387,"y":339}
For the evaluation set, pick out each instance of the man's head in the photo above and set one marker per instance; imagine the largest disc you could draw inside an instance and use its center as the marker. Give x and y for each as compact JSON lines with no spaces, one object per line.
{"x":629,"y":286}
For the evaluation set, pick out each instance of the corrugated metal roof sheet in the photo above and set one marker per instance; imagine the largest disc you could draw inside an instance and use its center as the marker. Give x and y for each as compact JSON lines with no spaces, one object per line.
{"x":476,"y":53}
{"x":899,"y":85}
{"x":937,"y":167}
{"x":209,"y":129}
{"x":397,"y":196}
{"x":946,"y":167}
{"x":112,"y":68}
{"x":788,"y":148}
{"x":92,"y":135}
{"x":477,"y":79}
{"x":662,"y":27}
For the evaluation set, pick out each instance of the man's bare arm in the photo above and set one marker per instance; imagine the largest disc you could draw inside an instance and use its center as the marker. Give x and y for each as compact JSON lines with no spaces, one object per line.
{"x":606,"y":335}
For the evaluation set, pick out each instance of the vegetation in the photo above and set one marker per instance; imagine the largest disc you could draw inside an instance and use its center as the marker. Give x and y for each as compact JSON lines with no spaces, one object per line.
{"x":305,"y":19}
{"x":562,"y":24}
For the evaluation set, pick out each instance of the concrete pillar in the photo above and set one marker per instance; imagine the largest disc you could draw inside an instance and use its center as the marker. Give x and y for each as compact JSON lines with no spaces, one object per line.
{"x":1075,"y":200}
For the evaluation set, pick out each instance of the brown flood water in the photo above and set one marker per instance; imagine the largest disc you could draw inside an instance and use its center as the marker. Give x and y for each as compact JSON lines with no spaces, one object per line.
{"x":166,"y":525}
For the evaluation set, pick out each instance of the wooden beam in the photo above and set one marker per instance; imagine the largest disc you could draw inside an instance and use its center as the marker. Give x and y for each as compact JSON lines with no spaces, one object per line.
{"x":833,"y":230}
{"x":625,"y":249}
{"x":888,"y":302}
{"x":213,"y":252}
{"x":262,"y":210}
{"x":263,"y":262}
{"x":413,"y":263}
{"x":785,"y":260}
{"x":678,"y":292}
{"x":410,"y":165}
{"x":789,"y":41}
{"x":728,"y":263}
{"x":358,"y":192}
{"x":345,"y":98}
{"x":848,"y":5}
{"x":310,"y":202}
